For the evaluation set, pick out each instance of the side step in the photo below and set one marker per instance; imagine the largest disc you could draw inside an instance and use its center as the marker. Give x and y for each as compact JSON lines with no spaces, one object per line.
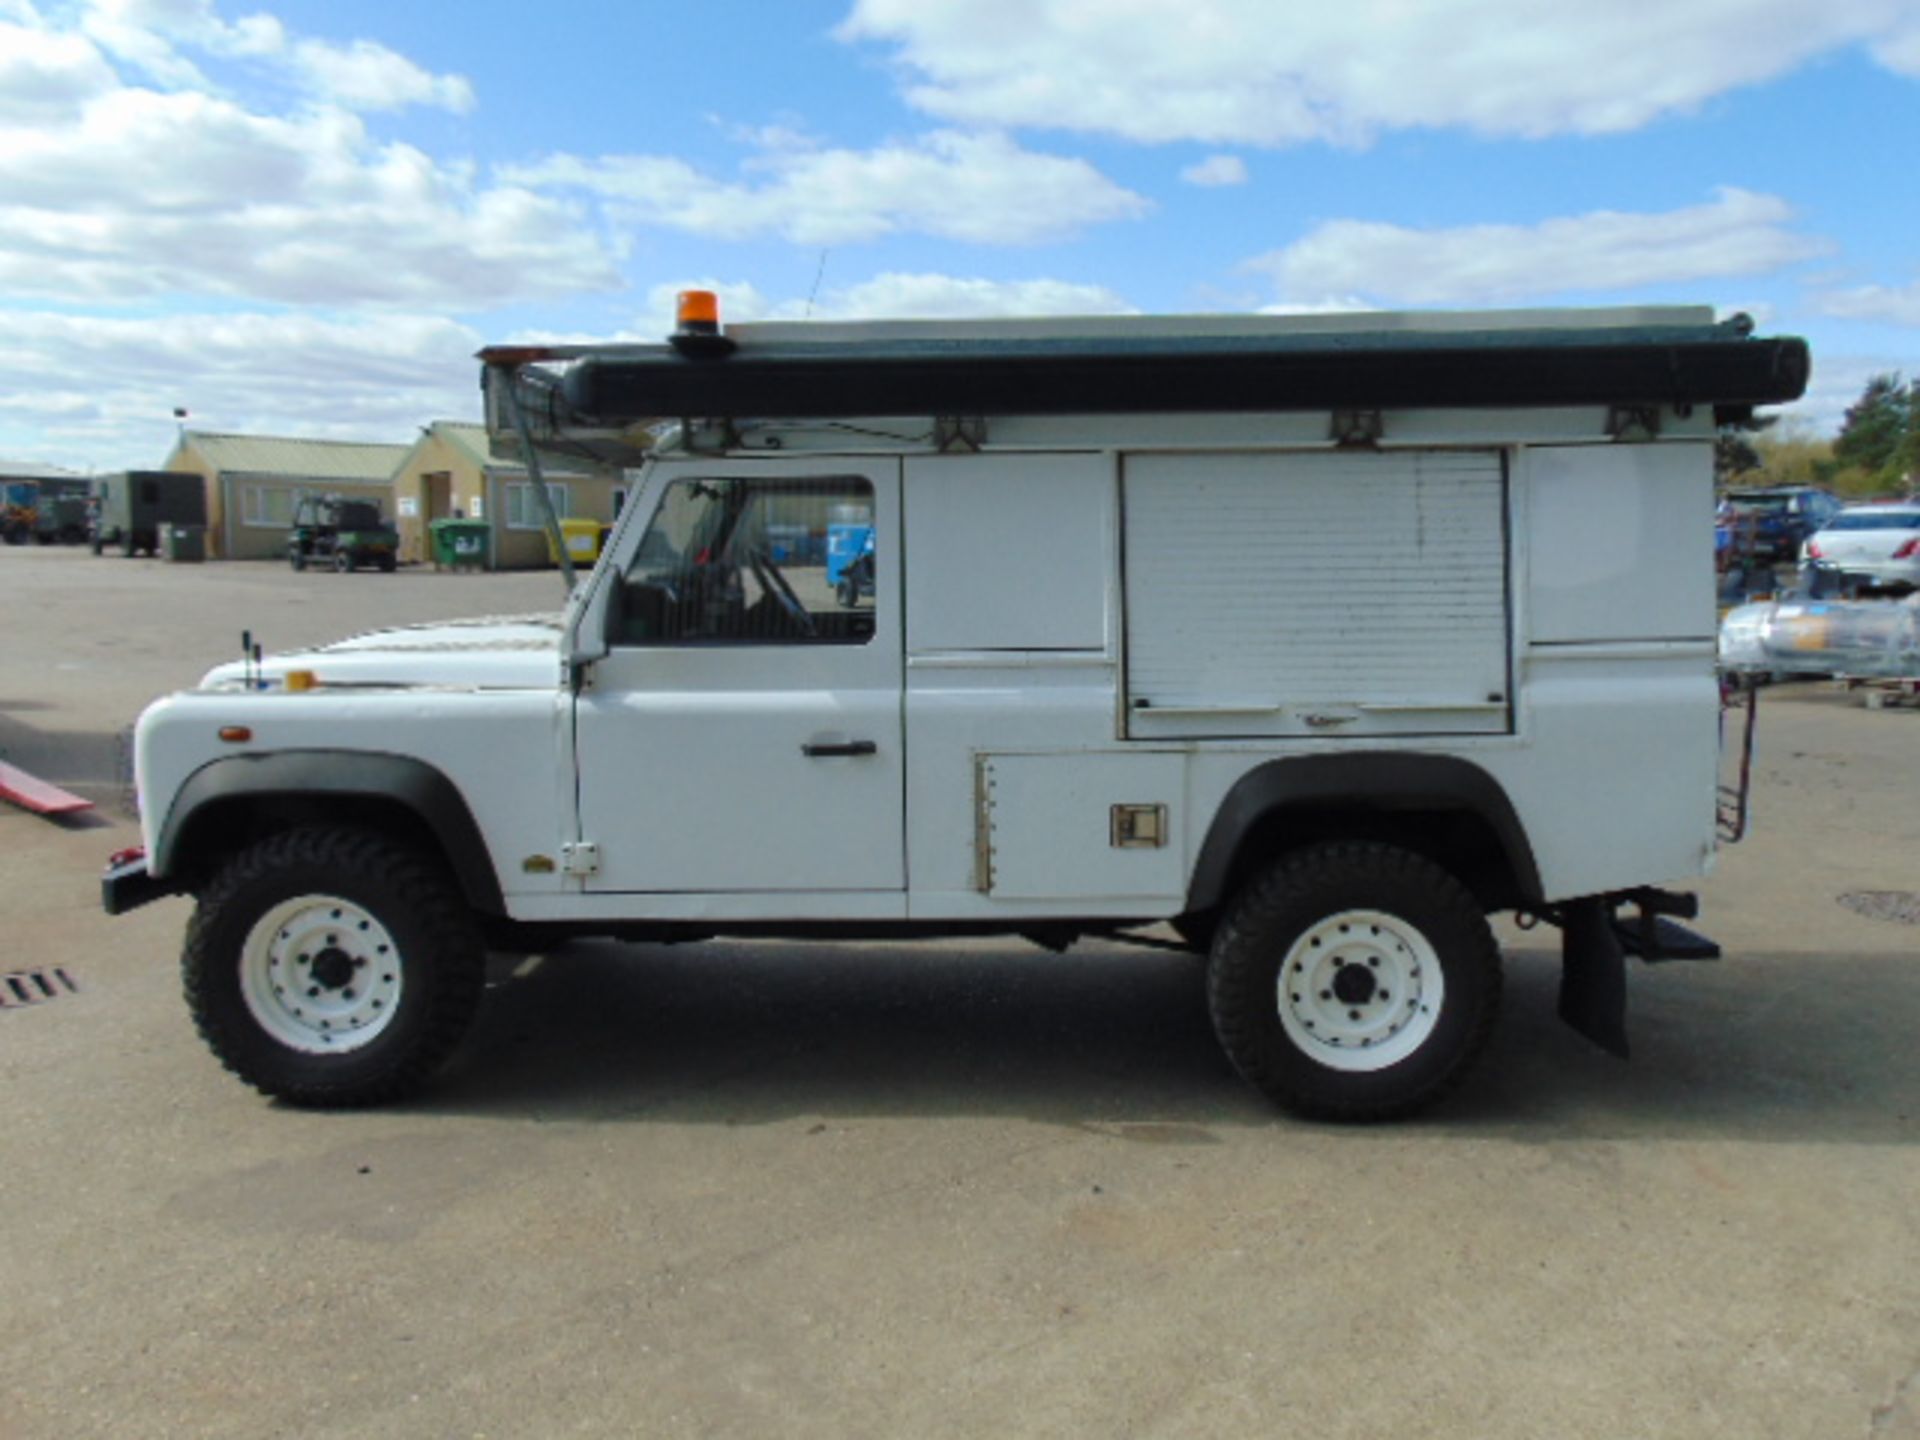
{"x":1658,"y":938}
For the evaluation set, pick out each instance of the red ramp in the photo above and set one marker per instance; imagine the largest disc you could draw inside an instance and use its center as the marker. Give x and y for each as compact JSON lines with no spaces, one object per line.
{"x":37,"y":795}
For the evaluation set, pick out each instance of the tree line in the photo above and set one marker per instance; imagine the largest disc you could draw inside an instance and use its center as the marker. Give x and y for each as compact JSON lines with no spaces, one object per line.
{"x":1877,"y":451}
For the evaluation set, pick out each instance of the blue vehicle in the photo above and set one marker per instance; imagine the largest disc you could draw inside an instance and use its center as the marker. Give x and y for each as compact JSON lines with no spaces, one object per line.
{"x":1771,"y":523}
{"x":850,"y":562}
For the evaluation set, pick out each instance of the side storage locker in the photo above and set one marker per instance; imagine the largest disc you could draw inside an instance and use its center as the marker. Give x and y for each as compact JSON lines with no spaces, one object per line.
{"x":1333,"y":595}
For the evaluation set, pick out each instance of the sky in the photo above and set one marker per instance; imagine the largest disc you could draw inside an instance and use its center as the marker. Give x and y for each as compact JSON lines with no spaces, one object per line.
{"x":304,"y":217}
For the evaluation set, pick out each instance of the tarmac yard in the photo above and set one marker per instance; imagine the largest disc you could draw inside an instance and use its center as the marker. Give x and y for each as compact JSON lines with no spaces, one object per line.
{"x":954,"y":1190}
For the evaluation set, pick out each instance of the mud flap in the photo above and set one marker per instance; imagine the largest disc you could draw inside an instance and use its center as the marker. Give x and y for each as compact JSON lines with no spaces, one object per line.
{"x":1593,"y":975}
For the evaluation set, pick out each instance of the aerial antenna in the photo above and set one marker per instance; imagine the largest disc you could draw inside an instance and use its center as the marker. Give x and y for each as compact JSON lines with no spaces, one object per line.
{"x":819,"y":270}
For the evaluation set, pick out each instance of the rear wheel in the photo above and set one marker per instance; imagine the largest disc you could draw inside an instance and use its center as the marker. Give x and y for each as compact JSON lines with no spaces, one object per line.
{"x":1354,"y":982}
{"x":331,"y":967}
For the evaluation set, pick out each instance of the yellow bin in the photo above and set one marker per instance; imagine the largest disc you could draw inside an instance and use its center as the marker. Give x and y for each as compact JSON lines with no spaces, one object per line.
{"x":583,"y":542}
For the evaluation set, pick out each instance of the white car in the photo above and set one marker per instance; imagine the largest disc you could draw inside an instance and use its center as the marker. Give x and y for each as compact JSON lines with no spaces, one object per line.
{"x":1880,"y":543}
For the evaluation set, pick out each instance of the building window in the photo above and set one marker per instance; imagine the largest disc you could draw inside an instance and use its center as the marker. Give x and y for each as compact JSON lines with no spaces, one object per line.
{"x":729,"y":561}
{"x":267,"y":506}
{"x":523,"y":511}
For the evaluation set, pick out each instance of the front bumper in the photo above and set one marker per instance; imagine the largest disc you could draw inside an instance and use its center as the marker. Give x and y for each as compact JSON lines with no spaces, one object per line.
{"x":126,"y":885}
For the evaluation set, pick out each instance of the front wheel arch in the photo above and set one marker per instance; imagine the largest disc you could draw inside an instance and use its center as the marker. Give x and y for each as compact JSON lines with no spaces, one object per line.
{"x":241,"y":799}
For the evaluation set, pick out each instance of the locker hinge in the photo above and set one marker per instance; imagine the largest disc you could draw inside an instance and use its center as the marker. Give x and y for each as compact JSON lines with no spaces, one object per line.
{"x":1358,"y":427}
{"x":959,"y":432}
{"x":1633,"y":422}
{"x":581,"y":859}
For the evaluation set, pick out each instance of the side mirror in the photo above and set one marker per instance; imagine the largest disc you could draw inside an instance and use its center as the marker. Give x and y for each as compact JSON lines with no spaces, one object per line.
{"x":637,"y":614}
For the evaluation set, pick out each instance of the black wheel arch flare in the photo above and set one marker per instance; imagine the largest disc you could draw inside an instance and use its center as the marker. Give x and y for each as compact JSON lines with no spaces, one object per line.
{"x":1377,"y":791}
{"x":320,"y":779}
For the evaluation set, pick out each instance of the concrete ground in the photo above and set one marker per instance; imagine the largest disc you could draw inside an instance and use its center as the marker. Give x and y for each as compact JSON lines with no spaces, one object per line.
{"x":858,"y":1190}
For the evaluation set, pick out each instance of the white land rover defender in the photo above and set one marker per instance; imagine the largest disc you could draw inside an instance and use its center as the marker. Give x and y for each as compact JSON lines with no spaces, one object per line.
{"x":1319,"y":638}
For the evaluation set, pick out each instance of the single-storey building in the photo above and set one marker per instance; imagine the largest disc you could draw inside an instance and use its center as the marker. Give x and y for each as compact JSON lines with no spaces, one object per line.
{"x":254,"y":481}
{"x":451,"y":473}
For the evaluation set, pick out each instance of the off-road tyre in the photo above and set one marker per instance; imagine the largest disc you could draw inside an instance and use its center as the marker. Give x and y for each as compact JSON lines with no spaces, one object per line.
{"x":1292,"y":914}
{"x":438,"y":953}
{"x":343,"y":561}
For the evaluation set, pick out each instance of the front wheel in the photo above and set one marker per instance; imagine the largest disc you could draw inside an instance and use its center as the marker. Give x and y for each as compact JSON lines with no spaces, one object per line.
{"x":332,"y":967}
{"x":343,"y":561}
{"x":1354,"y":982}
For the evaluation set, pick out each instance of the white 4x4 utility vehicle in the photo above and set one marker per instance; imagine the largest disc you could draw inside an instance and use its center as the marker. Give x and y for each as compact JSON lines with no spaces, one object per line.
{"x":1321,"y":639}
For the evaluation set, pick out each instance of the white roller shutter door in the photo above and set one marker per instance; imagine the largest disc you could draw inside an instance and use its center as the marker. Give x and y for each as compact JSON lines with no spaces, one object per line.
{"x":1316,"y":594}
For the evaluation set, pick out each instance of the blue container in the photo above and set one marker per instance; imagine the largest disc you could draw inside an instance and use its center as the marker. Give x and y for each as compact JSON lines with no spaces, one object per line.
{"x":846,"y":544}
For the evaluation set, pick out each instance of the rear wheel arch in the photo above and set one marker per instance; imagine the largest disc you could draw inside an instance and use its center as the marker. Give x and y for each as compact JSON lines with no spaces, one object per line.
{"x":232,"y":803}
{"x":1440,"y":806}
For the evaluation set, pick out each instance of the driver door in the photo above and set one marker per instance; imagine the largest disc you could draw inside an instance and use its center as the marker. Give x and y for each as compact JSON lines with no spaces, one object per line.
{"x":743,"y":732}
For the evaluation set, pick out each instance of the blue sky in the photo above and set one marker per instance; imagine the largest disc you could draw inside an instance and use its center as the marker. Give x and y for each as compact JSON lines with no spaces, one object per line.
{"x":297,"y":217}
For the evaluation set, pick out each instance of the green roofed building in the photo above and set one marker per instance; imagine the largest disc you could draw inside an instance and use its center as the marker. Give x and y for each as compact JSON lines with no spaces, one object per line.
{"x":254,"y":481}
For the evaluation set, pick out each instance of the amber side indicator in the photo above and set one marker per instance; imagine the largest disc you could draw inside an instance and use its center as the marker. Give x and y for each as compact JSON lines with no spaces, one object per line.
{"x":297,"y":680}
{"x":235,"y":734}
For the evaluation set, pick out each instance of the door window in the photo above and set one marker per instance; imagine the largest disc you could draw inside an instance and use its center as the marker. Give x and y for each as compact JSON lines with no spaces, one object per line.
{"x":736,"y":561}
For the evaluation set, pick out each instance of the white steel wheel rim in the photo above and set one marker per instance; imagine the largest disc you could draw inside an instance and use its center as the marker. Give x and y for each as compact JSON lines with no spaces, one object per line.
{"x":1360,"y":990}
{"x":321,"y":975}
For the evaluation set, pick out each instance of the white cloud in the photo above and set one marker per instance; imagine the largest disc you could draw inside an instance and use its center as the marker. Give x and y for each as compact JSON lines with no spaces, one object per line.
{"x":152,"y":35}
{"x":371,"y":379}
{"x":1899,"y":51}
{"x":1216,"y":171}
{"x":45,"y":77}
{"x":1330,"y":305}
{"x":144,"y":194}
{"x":367,"y":76}
{"x":888,"y":296}
{"x":947,"y":297}
{"x":1889,"y":304}
{"x":1739,"y":233}
{"x":977,"y":188}
{"x":1248,"y":72}
{"x":1836,"y":383}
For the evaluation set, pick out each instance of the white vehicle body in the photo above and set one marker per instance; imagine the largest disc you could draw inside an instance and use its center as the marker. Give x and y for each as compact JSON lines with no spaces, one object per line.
{"x":1879,"y":543}
{"x":1107,"y":657}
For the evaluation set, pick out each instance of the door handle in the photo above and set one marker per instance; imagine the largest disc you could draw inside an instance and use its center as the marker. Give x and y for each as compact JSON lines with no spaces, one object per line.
{"x":846,"y":747}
